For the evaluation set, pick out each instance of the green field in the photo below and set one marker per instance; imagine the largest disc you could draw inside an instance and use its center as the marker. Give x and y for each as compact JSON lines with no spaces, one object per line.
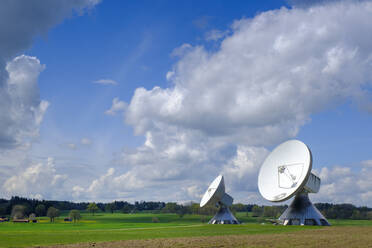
{"x":118,"y":226}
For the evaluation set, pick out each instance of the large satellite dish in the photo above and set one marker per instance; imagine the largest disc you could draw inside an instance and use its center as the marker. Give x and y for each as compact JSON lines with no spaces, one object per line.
{"x":285,"y":173}
{"x":216,"y":196}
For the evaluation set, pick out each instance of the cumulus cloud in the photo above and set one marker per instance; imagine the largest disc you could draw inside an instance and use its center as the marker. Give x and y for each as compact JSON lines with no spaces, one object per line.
{"x":21,"y":110}
{"x":226,"y":106}
{"x":348,"y":184}
{"x":106,"y":82}
{"x":39,"y":180}
{"x":265,"y":78}
{"x":118,"y":186}
{"x":243,"y":168}
{"x":117,"y":106}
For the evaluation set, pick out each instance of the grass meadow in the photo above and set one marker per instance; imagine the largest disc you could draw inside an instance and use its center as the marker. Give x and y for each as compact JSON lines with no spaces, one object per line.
{"x":103,"y":227}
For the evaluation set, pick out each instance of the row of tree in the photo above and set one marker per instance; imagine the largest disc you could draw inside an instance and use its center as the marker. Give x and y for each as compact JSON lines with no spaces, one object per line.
{"x":344,"y":211}
{"x":268,"y":211}
{"x":330,"y":211}
{"x":41,"y":208}
{"x":19,"y":212}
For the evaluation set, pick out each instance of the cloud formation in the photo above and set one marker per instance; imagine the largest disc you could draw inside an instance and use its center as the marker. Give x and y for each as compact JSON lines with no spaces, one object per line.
{"x":258,"y":89}
{"x":267,"y":78}
{"x":346,"y":184}
{"x":117,"y":106}
{"x":21,"y":110}
{"x":39,"y":180}
{"x":225,"y":108}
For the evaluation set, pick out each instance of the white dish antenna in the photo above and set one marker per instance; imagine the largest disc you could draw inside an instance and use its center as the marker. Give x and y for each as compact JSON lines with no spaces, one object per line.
{"x":216,"y":196}
{"x":285,"y":173}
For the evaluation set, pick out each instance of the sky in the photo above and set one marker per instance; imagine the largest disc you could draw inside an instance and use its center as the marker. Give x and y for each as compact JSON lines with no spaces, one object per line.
{"x":151,"y":100}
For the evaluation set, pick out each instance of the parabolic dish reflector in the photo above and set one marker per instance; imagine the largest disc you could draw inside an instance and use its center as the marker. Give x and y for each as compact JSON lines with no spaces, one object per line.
{"x":285,"y":171}
{"x":214,"y":193}
{"x":216,"y":196}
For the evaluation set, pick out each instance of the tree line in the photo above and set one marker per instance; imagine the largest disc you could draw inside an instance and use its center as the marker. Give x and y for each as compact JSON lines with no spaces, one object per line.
{"x":344,"y":211}
{"x":329,"y":210}
{"x":41,"y":206}
{"x":33,"y":207}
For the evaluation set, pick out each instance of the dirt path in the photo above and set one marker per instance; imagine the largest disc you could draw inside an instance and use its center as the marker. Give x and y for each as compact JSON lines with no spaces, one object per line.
{"x":325,"y":237}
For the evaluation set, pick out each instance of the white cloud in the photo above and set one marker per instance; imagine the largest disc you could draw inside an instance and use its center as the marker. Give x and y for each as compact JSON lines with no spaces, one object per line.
{"x":37,"y":180}
{"x":345,"y":184}
{"x":118,"y":186}
{"x":117,"y":106}
{"x":21,"y":110}
{"x":259,"y":88}
{"x":77,"y":191}
{"x":98,"y":183}
{"x":243,"y":168}
{"x":106,"y":82}
{"x":262,"y":82}
{"x":226,"y":106}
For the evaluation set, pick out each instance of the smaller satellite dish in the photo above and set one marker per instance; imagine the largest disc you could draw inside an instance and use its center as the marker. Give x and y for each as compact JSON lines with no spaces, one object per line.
{"x":216,"y":196}
{"x":214,"y":192}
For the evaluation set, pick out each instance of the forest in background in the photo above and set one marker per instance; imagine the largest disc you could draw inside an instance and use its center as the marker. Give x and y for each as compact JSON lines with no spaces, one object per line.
{"x":40,"y":207}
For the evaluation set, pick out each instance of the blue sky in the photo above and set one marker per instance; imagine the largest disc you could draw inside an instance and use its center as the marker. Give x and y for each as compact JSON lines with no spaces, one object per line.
{"x":127,"y":41}
{"x":201,"y":88}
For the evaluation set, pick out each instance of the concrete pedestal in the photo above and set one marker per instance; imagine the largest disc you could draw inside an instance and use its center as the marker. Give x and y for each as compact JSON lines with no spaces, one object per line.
{"x":303,"y":212}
